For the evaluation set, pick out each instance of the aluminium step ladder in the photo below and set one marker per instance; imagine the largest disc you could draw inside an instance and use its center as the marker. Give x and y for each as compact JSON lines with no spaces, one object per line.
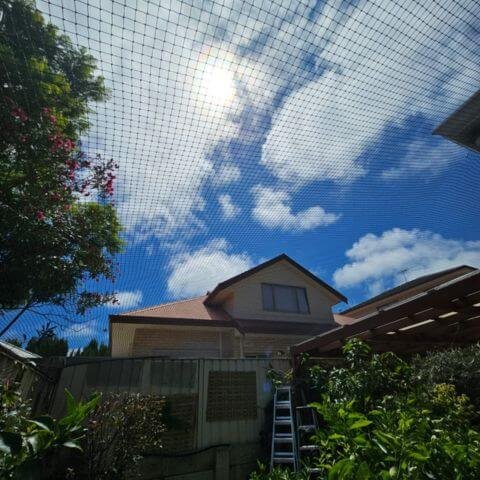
{"x":307,"y":423}
{"x":284,"y":447}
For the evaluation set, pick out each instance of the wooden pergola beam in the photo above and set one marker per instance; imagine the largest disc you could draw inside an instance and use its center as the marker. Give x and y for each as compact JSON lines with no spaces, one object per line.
{"x":459,"y":295}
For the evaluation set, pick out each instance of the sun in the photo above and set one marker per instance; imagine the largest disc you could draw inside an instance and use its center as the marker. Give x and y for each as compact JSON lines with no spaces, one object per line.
{"x":217,"y":83}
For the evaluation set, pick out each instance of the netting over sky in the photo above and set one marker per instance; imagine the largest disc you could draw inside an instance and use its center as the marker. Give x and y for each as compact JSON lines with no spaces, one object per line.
{"x":244,"y":129}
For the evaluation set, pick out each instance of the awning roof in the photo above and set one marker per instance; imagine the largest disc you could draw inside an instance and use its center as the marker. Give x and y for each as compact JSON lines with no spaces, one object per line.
{"x":446,"y":315}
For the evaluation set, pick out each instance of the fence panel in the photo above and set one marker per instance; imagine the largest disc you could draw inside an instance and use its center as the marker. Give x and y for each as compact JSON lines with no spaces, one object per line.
{"x":224,"y":398}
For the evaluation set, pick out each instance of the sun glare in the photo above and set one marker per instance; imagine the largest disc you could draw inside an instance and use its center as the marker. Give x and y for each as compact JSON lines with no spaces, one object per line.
{"x":217,"y":84}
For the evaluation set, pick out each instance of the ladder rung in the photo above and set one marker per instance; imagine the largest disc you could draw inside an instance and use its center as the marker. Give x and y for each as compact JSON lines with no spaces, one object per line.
{"x":307,"y":428}
{"x":283,"y":435}
{"x":308,"y":448}
{"x":283,"y":459}
{"x":314,"y":470}
{"x":283,"y":422}
{"x":279,"y":439}
{"x":283,"y":388}
{"x":283,"y":418}
{"x":283,"y":404}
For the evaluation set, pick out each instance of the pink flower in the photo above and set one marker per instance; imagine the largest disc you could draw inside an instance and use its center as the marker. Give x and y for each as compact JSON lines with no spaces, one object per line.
{"x":40,"y":216}
{"x":19,"y":114}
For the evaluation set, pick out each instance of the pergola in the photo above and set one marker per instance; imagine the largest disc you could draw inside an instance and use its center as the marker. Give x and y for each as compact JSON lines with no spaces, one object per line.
{"x":444,"y":316}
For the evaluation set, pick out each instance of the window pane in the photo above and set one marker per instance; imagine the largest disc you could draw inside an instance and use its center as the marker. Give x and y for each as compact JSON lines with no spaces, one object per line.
{"x":302,"y":300}
{"x":267,"y":295}
{"x":285,"y":299}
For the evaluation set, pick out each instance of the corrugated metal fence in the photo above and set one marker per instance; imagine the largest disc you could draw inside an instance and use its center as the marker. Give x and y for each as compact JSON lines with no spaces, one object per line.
{"x":224,"y":399}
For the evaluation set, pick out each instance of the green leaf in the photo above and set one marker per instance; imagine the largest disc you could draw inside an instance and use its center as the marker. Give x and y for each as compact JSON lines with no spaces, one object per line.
{"x":360,"y":424}
{"x":10,"y":443}
{"x":363,"y":472}
{"x":45,"y":422}
{"x":421,"y":457}
{"x":72,"y":444}
{"x":40,"y":440}
{"x":71,"y":403}
{"x":341,"y":469}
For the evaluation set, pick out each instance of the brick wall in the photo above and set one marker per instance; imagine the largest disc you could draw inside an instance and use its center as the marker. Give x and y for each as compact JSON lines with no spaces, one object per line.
{"x":187,"y":342}
{"x":269,"y":345}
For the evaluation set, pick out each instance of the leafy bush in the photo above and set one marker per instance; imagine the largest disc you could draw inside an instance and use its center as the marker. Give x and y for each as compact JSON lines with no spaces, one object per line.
{"x":382,"y":418}
{"x":29,"y":448}
{"x":407,"y":437}
{"x":120,"y":430}
{"x":459,"y":367}
{"x":365,"y":378}
{"x":381,"y":424}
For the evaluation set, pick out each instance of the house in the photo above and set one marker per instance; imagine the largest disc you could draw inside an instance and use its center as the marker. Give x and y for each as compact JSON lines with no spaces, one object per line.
{"x":259,"y":313}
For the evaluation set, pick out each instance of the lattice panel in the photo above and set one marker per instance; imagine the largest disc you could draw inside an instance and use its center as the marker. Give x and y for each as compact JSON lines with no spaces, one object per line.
{"x":232,"y":396}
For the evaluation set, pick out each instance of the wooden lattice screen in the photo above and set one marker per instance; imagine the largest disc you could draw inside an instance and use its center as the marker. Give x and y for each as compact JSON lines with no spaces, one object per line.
{"x":231,"y":396}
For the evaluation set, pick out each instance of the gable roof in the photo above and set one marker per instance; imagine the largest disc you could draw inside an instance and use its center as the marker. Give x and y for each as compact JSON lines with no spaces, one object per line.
{"x":283,"y":257}
{"x":406,"y":286}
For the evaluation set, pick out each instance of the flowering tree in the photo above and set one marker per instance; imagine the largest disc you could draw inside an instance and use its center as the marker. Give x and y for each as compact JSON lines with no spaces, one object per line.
{"x":58,"y":225}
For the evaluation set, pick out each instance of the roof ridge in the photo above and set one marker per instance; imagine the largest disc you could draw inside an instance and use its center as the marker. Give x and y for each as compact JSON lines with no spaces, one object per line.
{"x":146,"y":309}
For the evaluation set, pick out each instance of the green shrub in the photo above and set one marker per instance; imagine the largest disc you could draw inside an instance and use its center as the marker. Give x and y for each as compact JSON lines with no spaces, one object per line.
{"x":379,"y":423}
{"x":366,"y":377}
{"x":30,"y":447}
{"x":405,"y":437}
{"x":382,"y":418}
{"x":120,"y":429}
{"x":459,"y":367}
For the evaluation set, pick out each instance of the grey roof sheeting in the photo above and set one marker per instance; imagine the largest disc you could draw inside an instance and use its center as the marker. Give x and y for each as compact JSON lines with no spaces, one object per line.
{"x":16,"y":352}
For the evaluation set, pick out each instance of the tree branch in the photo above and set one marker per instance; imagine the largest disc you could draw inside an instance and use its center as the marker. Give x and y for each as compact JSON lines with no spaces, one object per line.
{"x":15,"y":318}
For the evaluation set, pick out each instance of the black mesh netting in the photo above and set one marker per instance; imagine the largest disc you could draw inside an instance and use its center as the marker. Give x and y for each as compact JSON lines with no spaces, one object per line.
{"x":248,"y":128}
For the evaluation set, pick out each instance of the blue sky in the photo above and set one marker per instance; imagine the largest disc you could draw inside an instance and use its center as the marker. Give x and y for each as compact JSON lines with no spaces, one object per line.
{"x":248,"y":129}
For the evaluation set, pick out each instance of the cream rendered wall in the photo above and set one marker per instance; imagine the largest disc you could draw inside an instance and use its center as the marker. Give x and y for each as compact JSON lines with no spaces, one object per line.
{"x":247,"y":296}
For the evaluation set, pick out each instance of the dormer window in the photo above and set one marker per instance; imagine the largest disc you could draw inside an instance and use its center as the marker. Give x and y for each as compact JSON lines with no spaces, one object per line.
{"x":283,"y":298}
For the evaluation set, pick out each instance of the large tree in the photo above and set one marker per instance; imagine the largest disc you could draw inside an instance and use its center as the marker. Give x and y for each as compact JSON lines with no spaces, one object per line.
{"x":58,"y":227}
{"x":94,"y":349}
{"x":47,"y":343}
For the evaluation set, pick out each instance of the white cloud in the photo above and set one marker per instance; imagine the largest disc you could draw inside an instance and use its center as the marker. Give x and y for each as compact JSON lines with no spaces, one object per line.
{"x":185,"y":78}
{"x":273,"y":210}
{"x":378,"y":260}
{"x":372,"y":81}
{"x":196,"y":272}
{"x":127,"y":299}
{"x":227,"y":173}
{"x":229,"y":209}
{"x":425,"y":156}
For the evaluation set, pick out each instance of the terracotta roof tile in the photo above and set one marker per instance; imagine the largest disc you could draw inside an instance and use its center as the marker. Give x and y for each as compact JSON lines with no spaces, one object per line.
{"x":193,"y":308}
